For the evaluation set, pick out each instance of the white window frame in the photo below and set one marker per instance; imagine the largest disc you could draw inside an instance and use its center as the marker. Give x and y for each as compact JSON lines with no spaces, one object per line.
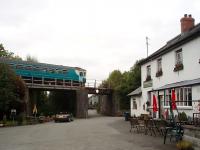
{"x":159,"y":64}
{"x":148,"y":70}
{"x":179,"y":56}
{"x":182,"y":96}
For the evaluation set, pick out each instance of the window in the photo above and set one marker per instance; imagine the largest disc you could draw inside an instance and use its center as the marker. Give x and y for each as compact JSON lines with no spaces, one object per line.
{"x":179,"y":57}
{"x":149,"y":70}
{"x":159,"y":65}
{"x":134,"y":104}
{"x":159,"y":68}
{"x":183,"y":96}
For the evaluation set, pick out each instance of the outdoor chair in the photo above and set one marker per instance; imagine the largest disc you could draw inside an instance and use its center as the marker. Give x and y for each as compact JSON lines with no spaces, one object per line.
{"x":174,"y":130}
{"x":161,"y":126}
{"x":150,"y":127}
{"x":136,"y":124}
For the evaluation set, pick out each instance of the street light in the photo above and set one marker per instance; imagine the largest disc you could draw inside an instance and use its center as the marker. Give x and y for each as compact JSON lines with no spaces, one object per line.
{"x":97,"y":91}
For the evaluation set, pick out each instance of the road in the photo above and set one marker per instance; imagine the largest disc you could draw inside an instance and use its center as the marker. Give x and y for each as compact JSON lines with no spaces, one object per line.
{"x":94,"y":133}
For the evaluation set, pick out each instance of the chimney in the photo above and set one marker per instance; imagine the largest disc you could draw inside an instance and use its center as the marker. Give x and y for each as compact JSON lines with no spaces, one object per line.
{"x":187,"y":22}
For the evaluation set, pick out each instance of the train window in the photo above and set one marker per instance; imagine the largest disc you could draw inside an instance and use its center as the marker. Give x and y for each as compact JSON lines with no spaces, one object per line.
{"x":64,"y":71}
{"x":84,"y":73}
{"x":51,"y":71}
{"x":12,"y":65}
{"x":36,"y":68}
{"x":28,"y":67}
{"x":19,"y":67}
{"x":81,"y":74}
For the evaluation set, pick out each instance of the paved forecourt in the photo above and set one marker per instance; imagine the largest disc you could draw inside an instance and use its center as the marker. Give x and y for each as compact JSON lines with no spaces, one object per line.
{"x":94,"y":133}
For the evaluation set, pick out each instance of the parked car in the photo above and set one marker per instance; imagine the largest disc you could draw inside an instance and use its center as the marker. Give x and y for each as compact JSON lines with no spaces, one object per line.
{"x":63,"y":117}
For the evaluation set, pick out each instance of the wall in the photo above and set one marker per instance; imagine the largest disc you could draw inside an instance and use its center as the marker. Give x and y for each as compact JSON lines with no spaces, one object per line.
{"x":137,"y":112}
{"x":81,"y":104}
{"x":191,"y":56}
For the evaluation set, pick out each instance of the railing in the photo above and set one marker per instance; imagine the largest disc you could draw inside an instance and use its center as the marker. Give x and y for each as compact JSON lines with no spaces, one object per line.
{"x":60,"y":83}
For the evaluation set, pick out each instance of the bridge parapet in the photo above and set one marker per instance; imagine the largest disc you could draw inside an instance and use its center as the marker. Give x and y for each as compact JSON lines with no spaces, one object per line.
{"x":54,"y":84}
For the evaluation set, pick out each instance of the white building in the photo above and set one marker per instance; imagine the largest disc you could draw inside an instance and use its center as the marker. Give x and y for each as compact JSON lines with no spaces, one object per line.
{"x":176,"y":66}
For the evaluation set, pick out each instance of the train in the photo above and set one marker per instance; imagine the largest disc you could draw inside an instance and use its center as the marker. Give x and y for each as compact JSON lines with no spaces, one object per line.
{"x":27,"y":69}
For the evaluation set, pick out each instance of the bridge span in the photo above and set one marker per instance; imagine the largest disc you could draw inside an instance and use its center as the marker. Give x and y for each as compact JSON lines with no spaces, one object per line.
{"x":49,"y":77}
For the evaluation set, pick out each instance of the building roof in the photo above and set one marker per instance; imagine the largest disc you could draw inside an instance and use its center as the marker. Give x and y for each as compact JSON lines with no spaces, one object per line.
{"x":179,"y":84}
{"x":136,"y":92}
{"x":174,"y":43}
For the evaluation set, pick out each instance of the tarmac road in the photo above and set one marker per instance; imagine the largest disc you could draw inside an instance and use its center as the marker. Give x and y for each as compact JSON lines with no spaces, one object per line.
{"x":94,"y":133}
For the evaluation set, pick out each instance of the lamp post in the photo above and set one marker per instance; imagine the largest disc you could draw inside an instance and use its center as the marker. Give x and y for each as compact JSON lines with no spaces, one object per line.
{"x":97,"y":91}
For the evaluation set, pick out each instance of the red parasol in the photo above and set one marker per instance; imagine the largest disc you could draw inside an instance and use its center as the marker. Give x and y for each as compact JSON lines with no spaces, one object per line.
{"x":155,"y":108}
{"x":173,"y":99}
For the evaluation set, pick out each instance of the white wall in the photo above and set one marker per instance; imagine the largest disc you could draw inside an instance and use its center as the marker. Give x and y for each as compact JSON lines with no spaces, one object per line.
{"x":191,"y":56}
{"x":137,"y":112}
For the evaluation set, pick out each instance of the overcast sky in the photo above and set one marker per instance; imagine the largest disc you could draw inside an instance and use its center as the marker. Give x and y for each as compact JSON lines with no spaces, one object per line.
{"x":97,"y":35}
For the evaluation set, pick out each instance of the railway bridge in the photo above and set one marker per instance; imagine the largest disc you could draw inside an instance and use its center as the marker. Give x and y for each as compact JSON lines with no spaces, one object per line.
{"x":49,"y":77}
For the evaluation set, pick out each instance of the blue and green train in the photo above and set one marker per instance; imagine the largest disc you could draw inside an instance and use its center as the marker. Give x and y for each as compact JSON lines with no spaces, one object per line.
{"x":28,"y":69}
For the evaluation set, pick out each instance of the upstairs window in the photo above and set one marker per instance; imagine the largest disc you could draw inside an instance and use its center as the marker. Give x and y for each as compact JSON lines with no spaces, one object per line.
{"x":148,"y":77}
{"x":159,"y":64}
{"x":179,"y":57}
{"x":179,"y":60}
{"x":149,"y":70}
{"x":159,"y":68}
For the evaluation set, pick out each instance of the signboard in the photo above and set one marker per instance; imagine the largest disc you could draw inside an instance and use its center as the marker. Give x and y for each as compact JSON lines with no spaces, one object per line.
{"x":147,"y":84}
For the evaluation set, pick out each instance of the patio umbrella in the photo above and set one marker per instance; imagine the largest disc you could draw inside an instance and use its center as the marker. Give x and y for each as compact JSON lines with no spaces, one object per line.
{"x":173,"y":99}
{"x":155,"y":108}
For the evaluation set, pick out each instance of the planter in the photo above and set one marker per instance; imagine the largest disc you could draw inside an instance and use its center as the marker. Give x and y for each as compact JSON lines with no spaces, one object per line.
{"x":178,"y":67}
{"x":159,"y":73}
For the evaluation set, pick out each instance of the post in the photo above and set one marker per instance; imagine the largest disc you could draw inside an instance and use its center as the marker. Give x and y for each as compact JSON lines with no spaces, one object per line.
{"x":42,"y":80}
{"x":95,"y":82}
{"x":63,"y":82}
{"x":159,"y":104}
{"x":32,"y":79}
{"x":147,"y":43}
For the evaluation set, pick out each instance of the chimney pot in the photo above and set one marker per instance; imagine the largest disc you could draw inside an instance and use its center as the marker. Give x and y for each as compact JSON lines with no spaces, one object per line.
{"x":187,"y":22}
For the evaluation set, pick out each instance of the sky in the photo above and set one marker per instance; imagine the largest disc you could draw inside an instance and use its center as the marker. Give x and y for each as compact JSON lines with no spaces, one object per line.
{"x":97,"y":35}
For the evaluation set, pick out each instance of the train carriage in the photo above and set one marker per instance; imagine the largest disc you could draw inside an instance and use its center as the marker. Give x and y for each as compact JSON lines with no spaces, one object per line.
{"x":47,"y":73}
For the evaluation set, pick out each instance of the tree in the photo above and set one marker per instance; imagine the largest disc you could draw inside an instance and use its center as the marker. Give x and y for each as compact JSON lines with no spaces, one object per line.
{"x":124,"y":83}
{"x":7,"y":54}
{"x":12,"y":90}
{"x":31,"y":59}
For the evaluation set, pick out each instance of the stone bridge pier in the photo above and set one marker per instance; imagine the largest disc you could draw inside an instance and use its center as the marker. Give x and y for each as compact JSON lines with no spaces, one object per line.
{"x":81,"y":103}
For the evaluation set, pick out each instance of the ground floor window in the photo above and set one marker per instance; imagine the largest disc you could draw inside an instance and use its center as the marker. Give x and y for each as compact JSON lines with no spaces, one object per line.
{"x":134,"y":104}
{"x":183,"y":96}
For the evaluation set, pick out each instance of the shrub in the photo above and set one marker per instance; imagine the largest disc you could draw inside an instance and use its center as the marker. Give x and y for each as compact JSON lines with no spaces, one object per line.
{"x":183,"y":116}
{"x":20,"y":119}
{"x":4,"y":119}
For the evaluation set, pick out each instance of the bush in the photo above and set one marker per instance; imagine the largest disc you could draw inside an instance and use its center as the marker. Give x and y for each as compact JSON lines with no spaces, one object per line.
{"x":4,"y":119}
{"x":183,"y":116}
{"x":20,"y":119}
{"x":184,"y":145}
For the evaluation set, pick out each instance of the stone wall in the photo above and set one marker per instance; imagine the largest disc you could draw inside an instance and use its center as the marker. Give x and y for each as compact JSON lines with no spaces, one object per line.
{"x":192,"y":134}
{"x":81,"y":103}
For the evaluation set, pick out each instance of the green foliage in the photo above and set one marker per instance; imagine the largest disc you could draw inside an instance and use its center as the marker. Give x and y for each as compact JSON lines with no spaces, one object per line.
{"x":184,"y":145}
{"x":20,"y":119}
{"x":7,"y":54}
{"x":183,"y":116}
{"x":12,"y":90}
{"x":124,"y":83}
